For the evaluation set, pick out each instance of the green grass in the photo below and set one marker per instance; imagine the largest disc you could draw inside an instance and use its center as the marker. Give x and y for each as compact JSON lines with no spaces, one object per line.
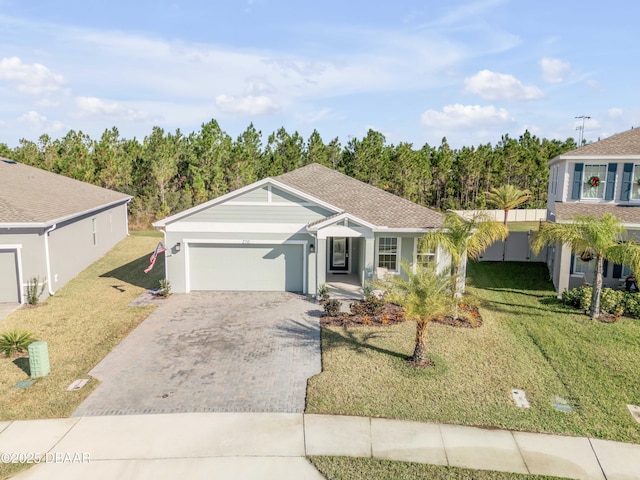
{"x":348,"y":468}
{"x":81,"y":324}
{"x":146,"y":233}
{"x":523,"y":226}
{"x":528,"y":341}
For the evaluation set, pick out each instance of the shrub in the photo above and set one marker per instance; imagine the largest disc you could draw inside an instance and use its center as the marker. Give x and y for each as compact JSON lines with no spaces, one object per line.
{"x":332,"y":307}
{"x":34,"y":290}
{"x":631,"y":303}
{"x":165,"y":288}
{"x":577,"y":297}
{"x":323,"y":290}
{"x":15,"y":341}
{"x":612,"y":301}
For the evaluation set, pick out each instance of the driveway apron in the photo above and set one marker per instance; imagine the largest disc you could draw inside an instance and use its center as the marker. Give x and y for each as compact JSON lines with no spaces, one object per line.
{"x":213,"y":352}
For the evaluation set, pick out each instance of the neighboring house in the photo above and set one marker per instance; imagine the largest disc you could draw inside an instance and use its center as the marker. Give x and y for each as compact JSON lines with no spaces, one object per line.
{"x":295,"y":232}
{"x":602,"y":177}
{"x":52,"y":227}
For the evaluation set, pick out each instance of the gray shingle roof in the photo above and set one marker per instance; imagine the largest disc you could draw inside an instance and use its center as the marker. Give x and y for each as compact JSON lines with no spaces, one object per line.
{"x":35,"y":196}
{"x":626,"y":213}
{"x":625,"y":143}
{"x":360,"y":199}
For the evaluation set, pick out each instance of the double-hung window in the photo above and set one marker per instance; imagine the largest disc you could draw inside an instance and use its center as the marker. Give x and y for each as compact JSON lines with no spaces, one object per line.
{"x":635,"y":188}
{"x":594,"y":181}
{"x":388,"y":253}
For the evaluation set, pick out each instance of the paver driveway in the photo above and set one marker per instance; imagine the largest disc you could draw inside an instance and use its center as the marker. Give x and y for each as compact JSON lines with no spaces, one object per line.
{"x":213,"y":352}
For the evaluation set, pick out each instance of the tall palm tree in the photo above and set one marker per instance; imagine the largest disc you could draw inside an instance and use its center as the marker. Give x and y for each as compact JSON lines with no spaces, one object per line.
{"x":462,"y":238}
{"x":424,"y":295}
{"x":507,"y":197}
{"x":599,"y":237}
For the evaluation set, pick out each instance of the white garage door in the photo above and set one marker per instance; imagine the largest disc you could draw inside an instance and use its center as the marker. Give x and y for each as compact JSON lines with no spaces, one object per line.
{"x":246,"y":267}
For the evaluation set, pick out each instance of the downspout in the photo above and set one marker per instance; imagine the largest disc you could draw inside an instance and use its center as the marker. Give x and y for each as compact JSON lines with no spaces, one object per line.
{"x":48,"y":258}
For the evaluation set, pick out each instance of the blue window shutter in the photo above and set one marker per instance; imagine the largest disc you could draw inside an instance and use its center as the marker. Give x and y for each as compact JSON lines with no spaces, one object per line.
{"x":571,"y":264}
{"x":627,"y":173}
{"x":617,"y":271}
{"x":605,"y":267}
{"x":577,"y":181}
{"x":610,"y":189}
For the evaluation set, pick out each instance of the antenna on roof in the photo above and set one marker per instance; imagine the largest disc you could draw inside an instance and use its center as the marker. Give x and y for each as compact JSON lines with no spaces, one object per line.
{"x":581,"y":128}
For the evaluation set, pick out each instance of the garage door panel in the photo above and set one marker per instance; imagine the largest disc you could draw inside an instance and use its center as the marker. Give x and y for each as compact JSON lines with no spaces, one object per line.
{"x":246,"y":267}
{"x":9,"y":292}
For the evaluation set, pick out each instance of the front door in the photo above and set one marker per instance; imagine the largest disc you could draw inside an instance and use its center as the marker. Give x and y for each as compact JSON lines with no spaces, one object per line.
{"x":338,"y":254}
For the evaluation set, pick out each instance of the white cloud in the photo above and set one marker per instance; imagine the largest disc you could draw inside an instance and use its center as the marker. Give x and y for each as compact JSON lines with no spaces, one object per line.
{"x":247,"y":105}
{"x":39,"y":123}
{"x":500,"y":86}
{"x":93,"y":106}
{"x":313,"y":116}
{"x":615,"y":113}
{"x":554,"y":70}
{"x":455,"y":116}
{"x":34,"y":79}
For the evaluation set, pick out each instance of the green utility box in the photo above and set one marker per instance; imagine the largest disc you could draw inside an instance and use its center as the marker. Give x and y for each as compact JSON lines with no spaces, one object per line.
{"x":39,"y":365}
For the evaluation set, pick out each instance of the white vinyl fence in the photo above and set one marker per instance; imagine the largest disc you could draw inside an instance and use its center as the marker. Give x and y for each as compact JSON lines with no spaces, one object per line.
{"x":517,"y":215}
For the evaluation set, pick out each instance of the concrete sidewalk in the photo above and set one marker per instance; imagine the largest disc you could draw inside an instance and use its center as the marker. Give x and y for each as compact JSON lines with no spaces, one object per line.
{"x":273,"y":446}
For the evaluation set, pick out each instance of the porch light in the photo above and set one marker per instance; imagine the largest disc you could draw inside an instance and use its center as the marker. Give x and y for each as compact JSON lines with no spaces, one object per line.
{"x":178,"y":246}
{"x":312,"y":248}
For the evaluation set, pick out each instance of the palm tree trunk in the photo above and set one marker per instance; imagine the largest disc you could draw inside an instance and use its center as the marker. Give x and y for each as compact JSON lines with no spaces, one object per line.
{"x":504,"y":242}
{"x":420,"y":351}
{"x":597,"y":288}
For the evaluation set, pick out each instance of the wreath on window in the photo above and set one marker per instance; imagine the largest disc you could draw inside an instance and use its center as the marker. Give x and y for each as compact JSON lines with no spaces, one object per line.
{"x":638,"y":182}
{"x":594,"y":181}
{"x":586,"y":256}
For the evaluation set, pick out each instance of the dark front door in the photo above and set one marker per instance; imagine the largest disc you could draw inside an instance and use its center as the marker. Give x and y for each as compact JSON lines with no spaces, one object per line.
{"x":338,"y":254}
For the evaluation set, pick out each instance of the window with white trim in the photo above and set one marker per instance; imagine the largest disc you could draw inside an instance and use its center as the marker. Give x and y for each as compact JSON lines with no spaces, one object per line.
{"x":94,"y":229}
{"x":594,"y":181}
{"x":635,"y":187}
{"x":388,"y":253}
{"x":580,"y":266}
{"x":553,"y":185}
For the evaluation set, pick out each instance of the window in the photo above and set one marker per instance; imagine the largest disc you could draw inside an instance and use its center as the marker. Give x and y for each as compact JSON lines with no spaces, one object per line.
{"x":594,"y":181}
{"x":580,"y":266}
{"x":425,"y":259}
{"x":388,"y":253}
{"x":635,"y":191}
{"x":553,"y":185}
{"x":95,"y":231}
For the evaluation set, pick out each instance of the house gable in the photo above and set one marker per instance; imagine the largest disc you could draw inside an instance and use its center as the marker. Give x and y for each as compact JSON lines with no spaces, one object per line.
{"x":264,"y":204}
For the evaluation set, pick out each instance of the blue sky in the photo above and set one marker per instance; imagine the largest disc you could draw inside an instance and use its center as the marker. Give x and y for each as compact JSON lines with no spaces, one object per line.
{"x":414,"y":70}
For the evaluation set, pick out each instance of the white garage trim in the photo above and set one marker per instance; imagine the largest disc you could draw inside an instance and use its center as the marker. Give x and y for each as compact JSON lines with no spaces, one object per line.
{"x":239,"y":241}
{"x":18,"y":249}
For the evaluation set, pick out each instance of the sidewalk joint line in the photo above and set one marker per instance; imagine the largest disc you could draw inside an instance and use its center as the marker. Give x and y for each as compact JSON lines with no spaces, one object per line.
{"x":524,"y":460}
{"x":597,"y":459}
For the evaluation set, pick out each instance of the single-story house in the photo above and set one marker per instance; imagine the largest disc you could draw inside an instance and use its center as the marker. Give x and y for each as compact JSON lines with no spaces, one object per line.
{"x":52,"y":227}
{"x":295,"y":232}
{"x":600,"y":178}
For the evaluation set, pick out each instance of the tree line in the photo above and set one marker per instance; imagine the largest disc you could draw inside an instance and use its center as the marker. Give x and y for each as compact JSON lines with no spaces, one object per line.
{"x":169,"y":171}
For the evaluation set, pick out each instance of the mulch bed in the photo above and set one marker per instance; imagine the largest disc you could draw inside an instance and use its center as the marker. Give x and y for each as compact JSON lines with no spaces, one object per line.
{"x":391,"y":315}
{"x":469,"y":317}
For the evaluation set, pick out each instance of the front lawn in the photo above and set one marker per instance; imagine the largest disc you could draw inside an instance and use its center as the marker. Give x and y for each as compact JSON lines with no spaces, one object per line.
{"x":350,"y":468}
{"x":81,"y":324}
{"x":528,"y":341}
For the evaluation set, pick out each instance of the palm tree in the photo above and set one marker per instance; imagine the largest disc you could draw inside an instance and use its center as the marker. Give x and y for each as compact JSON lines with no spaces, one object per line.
{"x":424,"y":295}
{"x":506,"y":198}
{"x":462,"y":238}
{"x":598,"y":237}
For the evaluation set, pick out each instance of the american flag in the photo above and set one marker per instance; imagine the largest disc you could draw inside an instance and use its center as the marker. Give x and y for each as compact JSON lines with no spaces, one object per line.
{"x":159,"y":249}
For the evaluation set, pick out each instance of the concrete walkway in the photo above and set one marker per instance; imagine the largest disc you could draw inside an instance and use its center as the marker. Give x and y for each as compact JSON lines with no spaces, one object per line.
{"x":273,"y":446}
